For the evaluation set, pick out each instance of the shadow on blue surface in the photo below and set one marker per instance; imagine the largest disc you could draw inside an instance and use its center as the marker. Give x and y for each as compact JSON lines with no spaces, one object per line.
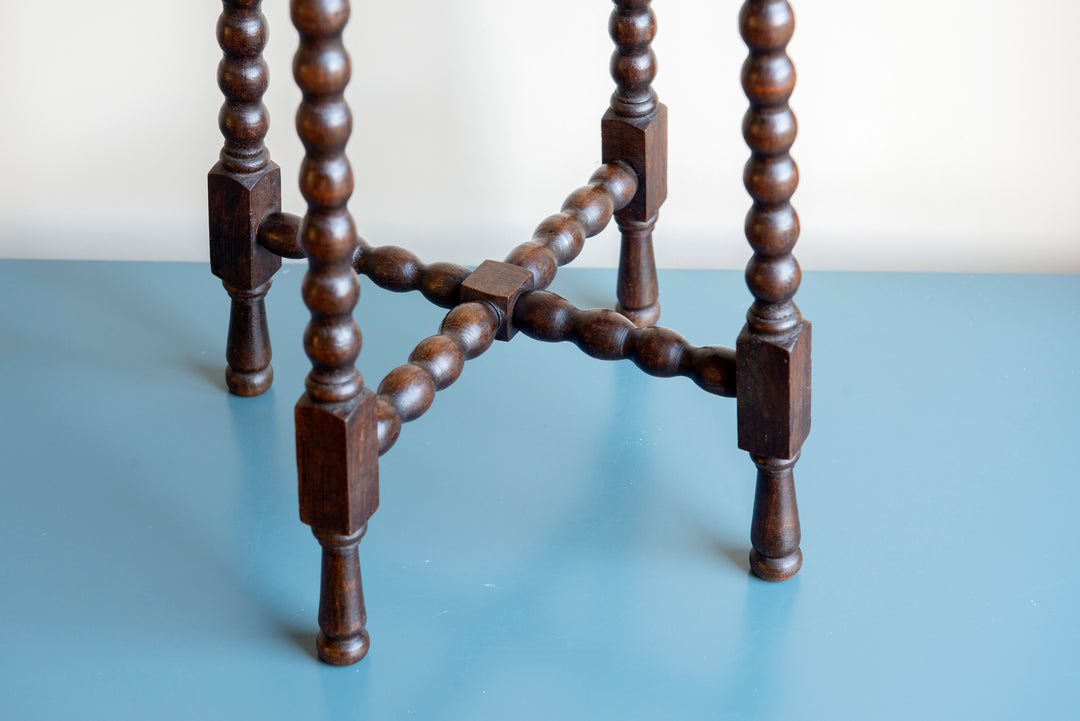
{"x":558,"y":537}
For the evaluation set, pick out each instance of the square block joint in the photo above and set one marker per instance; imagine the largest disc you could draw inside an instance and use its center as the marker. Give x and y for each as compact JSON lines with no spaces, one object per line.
{"x":337,"y":456}
{"x":238,"y":203}
{"x":772,"y":390}
{"x":642,"y":144}
{"x":499,"y":284}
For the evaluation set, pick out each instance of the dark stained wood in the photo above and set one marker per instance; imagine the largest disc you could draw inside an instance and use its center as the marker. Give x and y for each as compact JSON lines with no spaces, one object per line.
{"x":243,"y":77}
{"x":775,"y":532}
{"x":342,"y":427}
{"x":399,"y":270}
{"x":632,"y":27}
{"x":499,"y":285}
{"x":279,"y":233}
{"x":343,"y":638}
{"x":641,"y":143}
{"x":243,"y":188}
{"x":585,"y":212}
{"x":637,"y":289}
{"x":774,"y":392}
{"x":634,"y":131}
{"x":247,"y":350}
{"x":409,"y":390}
{"x":336,"y":451}
{"x":238,"y":204}
{"x":608,"y":335}
{"x":336,"y":430}
{"x":773,"y":350}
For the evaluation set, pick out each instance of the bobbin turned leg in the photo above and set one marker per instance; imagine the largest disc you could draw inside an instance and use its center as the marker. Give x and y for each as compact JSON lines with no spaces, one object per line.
{"x":337,"y":445}
{"x":634,"y":130}
{"x":773,"y":350}
{"x":244,"y":187}
{"x":337,"y":454}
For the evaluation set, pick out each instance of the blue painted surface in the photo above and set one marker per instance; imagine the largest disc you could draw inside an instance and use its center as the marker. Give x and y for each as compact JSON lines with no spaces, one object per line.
{"x":559,"y":537}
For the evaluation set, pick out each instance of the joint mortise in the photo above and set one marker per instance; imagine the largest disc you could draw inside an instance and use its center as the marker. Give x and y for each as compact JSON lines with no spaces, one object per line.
{"x":337,"y":451}
{"x":773,"y":392}
{"x":641,"y":143}
{"x":499,"y":285}
{"x":634,"y":131}
{"x":342,"y":427}
{"x":770,"y":175}
{"x":243,"y":188}
{"x":279,"y":233}
{"x":238,"y":205}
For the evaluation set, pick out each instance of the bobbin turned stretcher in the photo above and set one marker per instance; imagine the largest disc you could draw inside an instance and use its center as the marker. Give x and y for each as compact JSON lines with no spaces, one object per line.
{"x":342,"y":426}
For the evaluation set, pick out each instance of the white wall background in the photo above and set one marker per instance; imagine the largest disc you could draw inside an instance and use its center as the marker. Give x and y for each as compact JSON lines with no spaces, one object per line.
{"x":934,"y":134}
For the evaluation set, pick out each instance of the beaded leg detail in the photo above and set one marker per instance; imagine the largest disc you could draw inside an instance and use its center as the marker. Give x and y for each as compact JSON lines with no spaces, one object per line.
{"x":244,"y":188}
{"x":773,"y":350}
{"x":634,"y":131}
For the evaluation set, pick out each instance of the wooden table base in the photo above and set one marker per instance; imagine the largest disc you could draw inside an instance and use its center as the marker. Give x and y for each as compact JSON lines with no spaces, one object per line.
{"x":342,"y":426}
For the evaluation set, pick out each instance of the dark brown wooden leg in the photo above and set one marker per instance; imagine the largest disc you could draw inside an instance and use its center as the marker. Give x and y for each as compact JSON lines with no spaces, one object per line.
{"x":775,"y":532}
{"x":248,"y":349}
{"x":244,"y":187}
{"x":637,"y":289}
{"x":343,"y":638}
{"x":773,"y":350}
{"x":634,"y":131}
{"x":337,"y":444}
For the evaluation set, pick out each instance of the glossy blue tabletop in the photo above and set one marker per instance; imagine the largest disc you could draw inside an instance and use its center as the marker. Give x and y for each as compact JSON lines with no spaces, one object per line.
{"x":559,"y":537}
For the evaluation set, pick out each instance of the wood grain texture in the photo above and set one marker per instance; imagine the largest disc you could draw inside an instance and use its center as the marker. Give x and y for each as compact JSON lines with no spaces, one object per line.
{"x":279,"y":233}
{"x":499,"y":285}
{"x":637,"y":288}
{"x":343,"y":638}
{"x":342,"y":427}
{"x":336,"y":452}
{"x":608,"y":335}
{"x":773,"y":350}
{"x":634,"y":131}
{"x":327,"y":234}
{"x":399,"y":270}
{"x":336,"y":428}
{"x":560,"y":238}
{"x":243,"y":77}
{"x":243,"y":188}
{"x":388,"y":266}
{"x":408,"y":391}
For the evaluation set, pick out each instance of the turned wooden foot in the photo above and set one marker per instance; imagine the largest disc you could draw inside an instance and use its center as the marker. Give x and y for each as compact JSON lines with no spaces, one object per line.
{"x":243,"y":188}
{"x":775,"y":532}
{"x":634,"y":131}
{"x":342,"y":427}
{"x":637,"y":288}
{"x":773,"y":350}
{"x":343,"y":638}
{"x":247,"y":351}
